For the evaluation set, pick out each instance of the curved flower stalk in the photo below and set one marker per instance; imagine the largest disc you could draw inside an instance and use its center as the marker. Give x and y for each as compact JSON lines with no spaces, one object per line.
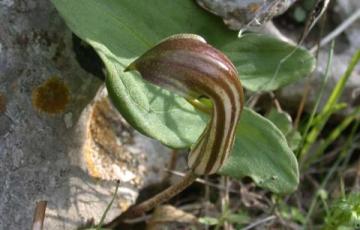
{"x":187,"y":65}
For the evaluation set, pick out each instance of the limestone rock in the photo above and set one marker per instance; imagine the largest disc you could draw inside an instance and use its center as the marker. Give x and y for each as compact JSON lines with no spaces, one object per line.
{"x":238,"y":14}
{"x":54,"y":139}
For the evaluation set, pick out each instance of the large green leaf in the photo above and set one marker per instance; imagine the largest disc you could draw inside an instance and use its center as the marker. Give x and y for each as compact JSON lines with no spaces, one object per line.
{"x":122,"y":30}
{"x":266,"y":63}
{"x":261,"y":152}
{"x":128,"y":28}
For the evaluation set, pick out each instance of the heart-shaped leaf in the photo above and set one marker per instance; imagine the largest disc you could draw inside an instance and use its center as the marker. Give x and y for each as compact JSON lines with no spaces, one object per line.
{"x":266,"y":63}
{"x":262,"y":153}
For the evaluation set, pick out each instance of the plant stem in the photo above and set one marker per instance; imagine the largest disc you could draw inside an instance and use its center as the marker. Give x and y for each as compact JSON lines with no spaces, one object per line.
{"x":108,"y":207}
{"x":259,"y":222}
{"x":224,"y":203}
{"x":151,"y":203}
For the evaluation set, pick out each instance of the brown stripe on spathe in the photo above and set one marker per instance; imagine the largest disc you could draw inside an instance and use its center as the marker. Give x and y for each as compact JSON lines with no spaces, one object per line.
{"x":216,"y":150}
{"x":235,"y":116}
{"x":221,"y":146}
{"x":192,"y":45}
{"x":219,"y":149}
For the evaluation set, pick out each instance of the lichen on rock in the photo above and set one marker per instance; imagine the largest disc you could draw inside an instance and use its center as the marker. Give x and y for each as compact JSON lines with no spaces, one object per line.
{"x":52,"y":96}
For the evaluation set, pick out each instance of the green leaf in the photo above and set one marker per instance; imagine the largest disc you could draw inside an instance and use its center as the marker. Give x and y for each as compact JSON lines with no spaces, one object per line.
{"x":266,"y":63}
{"x":128,"y":28}
{"x":261,"y":152}
{"x":291,"y":213}
{"x":344,"y":213}
{"x":284,"y":122}
{"x":294,"y":139}
{"x":281,"y":119}
{"x":238,"y":218}
{"x":207,"y":220}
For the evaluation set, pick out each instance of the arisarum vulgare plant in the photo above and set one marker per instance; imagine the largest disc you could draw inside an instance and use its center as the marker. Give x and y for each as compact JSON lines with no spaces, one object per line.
{"x":163,"y":102}
{"x":187,"y":65}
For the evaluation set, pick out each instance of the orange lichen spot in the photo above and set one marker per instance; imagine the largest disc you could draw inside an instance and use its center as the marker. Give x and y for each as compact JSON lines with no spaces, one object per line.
{"x":253,"y":7}
{"x":2,"y":103}
{"x":52,"y":96}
